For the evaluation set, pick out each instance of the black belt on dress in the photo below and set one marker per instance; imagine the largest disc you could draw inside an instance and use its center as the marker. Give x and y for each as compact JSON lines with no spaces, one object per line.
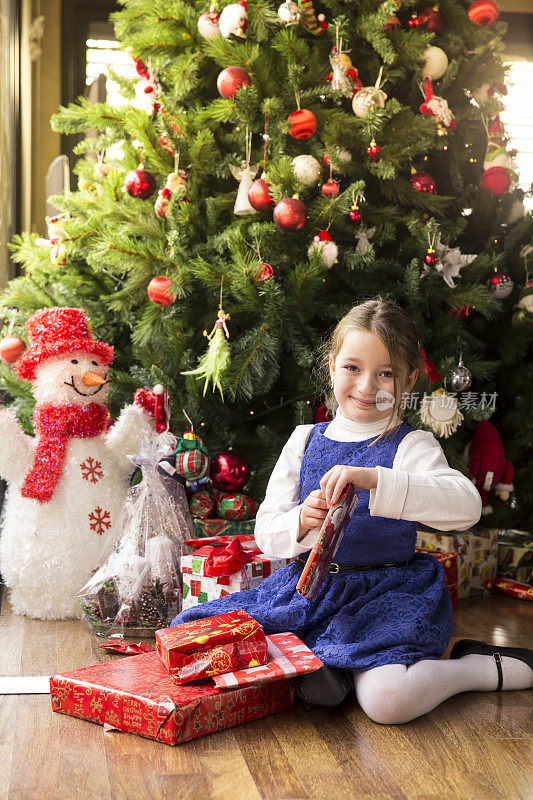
{"x":335,"y":568}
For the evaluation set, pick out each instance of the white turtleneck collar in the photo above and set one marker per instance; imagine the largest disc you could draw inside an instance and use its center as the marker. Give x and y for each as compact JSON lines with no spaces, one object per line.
{"x":347,"y":430}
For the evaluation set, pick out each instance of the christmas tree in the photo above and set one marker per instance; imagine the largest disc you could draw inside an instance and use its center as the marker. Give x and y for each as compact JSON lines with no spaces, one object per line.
{"x":276,"y":167}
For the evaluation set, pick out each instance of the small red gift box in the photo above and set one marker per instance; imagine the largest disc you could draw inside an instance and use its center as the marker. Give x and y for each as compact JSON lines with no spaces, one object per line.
{"x":288,"y":657}
{"x":206,"y":647}
{"x":449,"y":564}
{"x":137,"y":695}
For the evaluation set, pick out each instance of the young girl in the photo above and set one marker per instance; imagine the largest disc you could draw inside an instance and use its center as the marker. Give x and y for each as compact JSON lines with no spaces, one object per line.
{"x":383,"y":617}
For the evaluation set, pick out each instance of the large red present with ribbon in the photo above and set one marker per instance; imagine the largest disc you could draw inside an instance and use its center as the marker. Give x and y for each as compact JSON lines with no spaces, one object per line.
{"x":206,"y":647}
{"x":224,"y":567}
{"x":449,"y":564}
{"x":137,"y":695}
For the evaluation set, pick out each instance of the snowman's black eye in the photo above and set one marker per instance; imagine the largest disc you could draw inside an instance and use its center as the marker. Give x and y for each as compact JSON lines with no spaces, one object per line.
{"x":74,"y":361}
{"x":95,"y":363}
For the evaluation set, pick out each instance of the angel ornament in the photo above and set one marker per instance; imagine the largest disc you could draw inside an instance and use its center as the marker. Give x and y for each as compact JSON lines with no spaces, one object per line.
{"x":450,"y":261}
{"x":216,"y":360}
{"x":245,"y":174}
{"x":344,"y":77}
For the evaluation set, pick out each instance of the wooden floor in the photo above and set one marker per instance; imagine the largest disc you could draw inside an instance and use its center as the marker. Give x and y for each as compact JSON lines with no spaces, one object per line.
{"x":475,"y":745}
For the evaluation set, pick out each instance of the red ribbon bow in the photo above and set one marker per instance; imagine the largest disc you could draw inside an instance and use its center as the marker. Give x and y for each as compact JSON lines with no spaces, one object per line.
{"x":222,"y":562}
{"x":432,"y":371}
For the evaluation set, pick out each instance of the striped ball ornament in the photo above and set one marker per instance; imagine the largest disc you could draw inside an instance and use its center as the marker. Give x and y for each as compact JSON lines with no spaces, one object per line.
{"x":192,"y":464}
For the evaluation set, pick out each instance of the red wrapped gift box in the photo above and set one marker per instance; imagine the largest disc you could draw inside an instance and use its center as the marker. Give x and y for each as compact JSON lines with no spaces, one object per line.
{"x":506,"y":586}
{"x":449,"y":564}
{"x":288,"y":657}
{"x":137,"y":695}
{"x":206,"y":647}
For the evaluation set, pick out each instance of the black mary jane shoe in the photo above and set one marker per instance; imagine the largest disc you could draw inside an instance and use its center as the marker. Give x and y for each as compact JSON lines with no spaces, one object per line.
{"x":326,"y":688}
{"x":466,"y":647}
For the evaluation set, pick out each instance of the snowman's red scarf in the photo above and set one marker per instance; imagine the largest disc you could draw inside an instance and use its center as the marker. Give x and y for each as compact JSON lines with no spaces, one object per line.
{"x":54,"y":426}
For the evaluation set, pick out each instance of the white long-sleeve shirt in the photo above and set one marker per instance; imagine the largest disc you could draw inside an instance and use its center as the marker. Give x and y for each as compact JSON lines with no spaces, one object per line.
{"x":420,"y":487}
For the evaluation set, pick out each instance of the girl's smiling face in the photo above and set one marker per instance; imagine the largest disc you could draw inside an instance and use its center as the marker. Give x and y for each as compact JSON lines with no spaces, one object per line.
{"x":363,"y":379}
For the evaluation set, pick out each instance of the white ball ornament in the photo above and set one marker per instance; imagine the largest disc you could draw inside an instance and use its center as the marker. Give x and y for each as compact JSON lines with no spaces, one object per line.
{"x":289,"y":13}
{"x":208,"y":27}
{"x":307,"y":170}
{"x":233,"y":20}
{"x":436,"y":63}
{"x":366,"y":98}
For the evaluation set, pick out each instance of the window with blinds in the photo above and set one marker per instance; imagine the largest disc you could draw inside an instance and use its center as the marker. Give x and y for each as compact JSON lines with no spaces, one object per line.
{"x":105,"y":53}
{"x":518,"y":121}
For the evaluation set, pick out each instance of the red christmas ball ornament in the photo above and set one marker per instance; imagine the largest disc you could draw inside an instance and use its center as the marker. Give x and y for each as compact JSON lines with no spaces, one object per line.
{"x":262,"y":272}
{"x":159,"y":291}
{"x":290,"y":214}
{"x":330,"y":188}
{"x":500,"y":285}
{"x":11,"y":347}
{"x":432,"y":19}
{"x":423,"y":182}
{"x":259,"y":195}
{"x":231,"y":79}
{"x":373,"y":150}
{"x":431,"y":257}
{"x":496,"y":180}
{"x":229,"y":471}
{"x":483,"y":12}
{"x":302,"y":123}
{"x":354,"y":215}
{"x":139,"y":183}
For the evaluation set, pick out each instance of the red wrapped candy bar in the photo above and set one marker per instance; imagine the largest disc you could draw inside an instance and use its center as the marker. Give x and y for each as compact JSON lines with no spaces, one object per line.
{"x":206,"y":647}
{"x":137,"y":695}
{"x":327,"y":544}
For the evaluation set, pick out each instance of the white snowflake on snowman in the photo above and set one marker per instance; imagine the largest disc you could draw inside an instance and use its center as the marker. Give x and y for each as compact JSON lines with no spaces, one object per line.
{"x":48,"y":547}
{"x":91,"y":470}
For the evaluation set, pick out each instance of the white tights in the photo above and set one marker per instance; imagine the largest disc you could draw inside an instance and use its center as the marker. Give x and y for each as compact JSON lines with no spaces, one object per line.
{"x":395,"y":693}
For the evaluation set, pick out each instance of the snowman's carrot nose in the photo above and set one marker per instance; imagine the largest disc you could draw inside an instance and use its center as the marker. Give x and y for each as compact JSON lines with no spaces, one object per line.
{"x":92,"y":379}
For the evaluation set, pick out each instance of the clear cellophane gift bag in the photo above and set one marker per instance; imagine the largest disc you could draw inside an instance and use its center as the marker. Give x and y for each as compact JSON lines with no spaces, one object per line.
{"x":137,"y":590}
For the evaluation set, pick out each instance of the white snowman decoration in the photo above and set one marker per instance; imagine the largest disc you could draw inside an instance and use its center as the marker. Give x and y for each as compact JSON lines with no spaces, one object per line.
{"x":66,"y":485}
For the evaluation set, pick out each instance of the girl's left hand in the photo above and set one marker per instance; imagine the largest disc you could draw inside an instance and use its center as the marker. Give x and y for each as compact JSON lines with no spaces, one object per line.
{"x":339,"y":476}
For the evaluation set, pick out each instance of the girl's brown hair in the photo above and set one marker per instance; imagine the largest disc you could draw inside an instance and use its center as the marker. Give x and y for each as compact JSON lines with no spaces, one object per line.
{"x":397,"y":332}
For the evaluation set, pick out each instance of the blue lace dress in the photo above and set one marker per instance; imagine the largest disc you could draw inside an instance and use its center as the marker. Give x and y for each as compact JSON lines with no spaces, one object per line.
{"x":361,"y":619}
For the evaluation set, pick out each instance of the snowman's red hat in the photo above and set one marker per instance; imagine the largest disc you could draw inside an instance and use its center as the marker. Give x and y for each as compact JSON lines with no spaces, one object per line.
{"x":54,"y":331}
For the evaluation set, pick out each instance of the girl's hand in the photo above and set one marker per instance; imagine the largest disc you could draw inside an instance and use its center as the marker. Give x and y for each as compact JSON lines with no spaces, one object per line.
{"x":313,"y":511}
{"x":339,"y":476}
